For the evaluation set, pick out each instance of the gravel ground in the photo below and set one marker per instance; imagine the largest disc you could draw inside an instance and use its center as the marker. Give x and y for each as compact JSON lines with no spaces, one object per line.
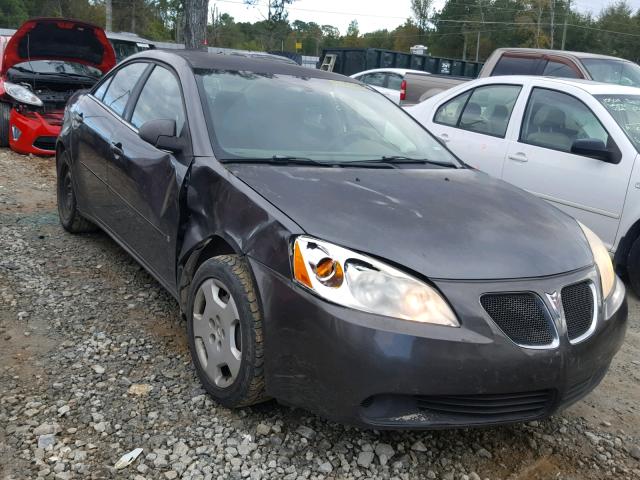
{"x":94,"y":363}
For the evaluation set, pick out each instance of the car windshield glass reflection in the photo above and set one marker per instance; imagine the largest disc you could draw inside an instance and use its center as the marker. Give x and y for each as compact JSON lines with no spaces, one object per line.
{"x":625,"y":109}
{"x":613,"y":71}
{"x":262,"y":116}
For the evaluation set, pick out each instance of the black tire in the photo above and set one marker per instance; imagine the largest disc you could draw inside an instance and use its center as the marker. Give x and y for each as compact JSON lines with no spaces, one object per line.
{"x":633,"y":266}
{"x":248,"y":387}
{"x":5,"y":112}
{"x":70,"y":218}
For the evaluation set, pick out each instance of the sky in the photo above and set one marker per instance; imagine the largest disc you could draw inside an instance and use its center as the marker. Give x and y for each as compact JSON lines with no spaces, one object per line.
{"x":371,"y":14}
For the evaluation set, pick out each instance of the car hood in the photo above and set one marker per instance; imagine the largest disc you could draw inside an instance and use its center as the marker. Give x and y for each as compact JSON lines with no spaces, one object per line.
{"x":59,"y":39}
{"x":442,"y":223}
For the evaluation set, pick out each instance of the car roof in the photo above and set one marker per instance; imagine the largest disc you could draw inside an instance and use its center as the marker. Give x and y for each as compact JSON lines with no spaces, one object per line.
{"x":561,"y":52}
{"x":198,"y":59}
{"x":401,"y":71}
{"x":589,"y":86}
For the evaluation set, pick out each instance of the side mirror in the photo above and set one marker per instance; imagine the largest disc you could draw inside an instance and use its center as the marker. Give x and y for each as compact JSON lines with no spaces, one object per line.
{"x":594,"y":148}
{"x":161,"y":133}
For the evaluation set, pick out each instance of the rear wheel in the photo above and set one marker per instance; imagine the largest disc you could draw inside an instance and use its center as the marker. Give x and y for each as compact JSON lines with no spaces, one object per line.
{"x":5,"y":112}
{"x":70,"y":217}
{"x":224,"y":326}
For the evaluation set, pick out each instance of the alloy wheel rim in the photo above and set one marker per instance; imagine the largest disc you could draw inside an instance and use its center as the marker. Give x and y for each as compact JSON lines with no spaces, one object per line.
{"x":216,"y":331}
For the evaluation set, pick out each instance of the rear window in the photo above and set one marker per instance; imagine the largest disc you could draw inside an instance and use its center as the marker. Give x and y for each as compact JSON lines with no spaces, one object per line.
{"x":510,"y":65}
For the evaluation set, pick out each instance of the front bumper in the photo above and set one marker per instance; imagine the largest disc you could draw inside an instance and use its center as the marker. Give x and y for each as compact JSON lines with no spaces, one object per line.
{"x":373,"y":371}
{"x":34,"y":132}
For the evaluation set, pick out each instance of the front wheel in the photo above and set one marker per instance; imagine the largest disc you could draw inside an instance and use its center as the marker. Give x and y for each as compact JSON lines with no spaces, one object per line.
{"x":224,"y":327}
{"x":70,"y":218}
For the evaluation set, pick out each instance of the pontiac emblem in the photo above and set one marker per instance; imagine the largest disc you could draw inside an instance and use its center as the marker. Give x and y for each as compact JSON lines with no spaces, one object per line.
{"x":555,"y":301}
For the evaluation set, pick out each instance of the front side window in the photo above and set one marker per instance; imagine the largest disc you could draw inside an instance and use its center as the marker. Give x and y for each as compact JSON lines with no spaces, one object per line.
{"x":449,"y":113}
{"x":555,"y":120}
{"x":613,"y":71}
{"x":258,"y":116}
{"x":120,"y":88}
{"x":625,"y":110}
{"x":489,"y":109}
{"x":160,"y":98}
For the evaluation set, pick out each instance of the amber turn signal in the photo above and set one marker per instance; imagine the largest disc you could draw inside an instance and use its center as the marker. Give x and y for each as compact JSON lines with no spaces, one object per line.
{"x":299,"y":268}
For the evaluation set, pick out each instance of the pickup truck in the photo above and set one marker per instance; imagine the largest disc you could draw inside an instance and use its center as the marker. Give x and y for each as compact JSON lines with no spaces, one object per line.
{"x":530,"y":61}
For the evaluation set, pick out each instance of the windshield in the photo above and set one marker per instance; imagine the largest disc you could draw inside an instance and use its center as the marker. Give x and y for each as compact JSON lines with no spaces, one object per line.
{"x":625,"y":109}
{"x":52,"y":67}
{"x":260,"y":116}
{"x":613,"y":71}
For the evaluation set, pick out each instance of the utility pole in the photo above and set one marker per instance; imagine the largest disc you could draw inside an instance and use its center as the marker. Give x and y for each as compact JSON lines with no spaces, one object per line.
{"x":564,"y":28}
{"x":478,"y":39}
{"x":553,"y":13}
{"x":108,"y":15}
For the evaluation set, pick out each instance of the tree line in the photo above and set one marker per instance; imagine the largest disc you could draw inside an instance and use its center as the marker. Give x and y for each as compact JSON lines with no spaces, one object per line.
{"x":461,"y":29}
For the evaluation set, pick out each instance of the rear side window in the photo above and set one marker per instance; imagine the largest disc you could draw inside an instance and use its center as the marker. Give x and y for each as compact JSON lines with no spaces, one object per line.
{"x":489,"y":109}
{"x":160,"y":98}
{"x":557,"y":69}
{"x":510,"y":65}
{"x":449,"y":113}
{"x":120,"y":88}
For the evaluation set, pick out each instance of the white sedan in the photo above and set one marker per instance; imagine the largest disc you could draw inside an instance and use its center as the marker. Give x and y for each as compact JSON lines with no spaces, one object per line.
{"x":388,"y":81}
{"x":571,"y":142}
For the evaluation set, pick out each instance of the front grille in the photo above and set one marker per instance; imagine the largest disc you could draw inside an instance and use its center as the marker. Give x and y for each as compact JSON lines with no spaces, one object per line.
{"x":577,"y":302}
{"x":521,"y":316}
{"x":521,"y":405}
{"x":45,"y":143}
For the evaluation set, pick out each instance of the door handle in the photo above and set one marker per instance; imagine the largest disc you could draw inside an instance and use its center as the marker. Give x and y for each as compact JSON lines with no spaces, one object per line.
{"x":518,"y":157}
{"x":444,"y":137}
{"x":116,"y":148}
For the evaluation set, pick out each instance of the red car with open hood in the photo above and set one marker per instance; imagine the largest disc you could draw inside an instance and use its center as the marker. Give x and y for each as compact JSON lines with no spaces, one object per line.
{"x":43,"y":64}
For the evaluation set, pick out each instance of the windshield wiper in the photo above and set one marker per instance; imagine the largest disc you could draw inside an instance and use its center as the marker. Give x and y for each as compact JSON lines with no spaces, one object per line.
{"x":402,"y":160}
{"x":279,"y":160}
{"x":57,"y":74}
{"x":399,"y":159}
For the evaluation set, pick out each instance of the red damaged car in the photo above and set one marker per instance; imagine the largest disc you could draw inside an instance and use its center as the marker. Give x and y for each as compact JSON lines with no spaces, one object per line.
{"x":43,"y":64}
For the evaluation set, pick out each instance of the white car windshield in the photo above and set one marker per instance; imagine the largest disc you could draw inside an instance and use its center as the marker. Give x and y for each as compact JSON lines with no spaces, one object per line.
{"x":261,"y":116}
{"x":625,"y":109}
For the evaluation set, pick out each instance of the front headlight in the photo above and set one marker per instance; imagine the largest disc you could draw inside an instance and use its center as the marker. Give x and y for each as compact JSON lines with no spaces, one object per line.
{"x":356,"y":281}
{"x":22,"y":94}
{"x":602,"y":260}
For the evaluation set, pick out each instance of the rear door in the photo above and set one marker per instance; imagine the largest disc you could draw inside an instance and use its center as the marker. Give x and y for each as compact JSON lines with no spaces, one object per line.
{"x":539,"y":159}
{"x":474,"y":124}
{"x":94,"y":119}
{"x":145,"y":181}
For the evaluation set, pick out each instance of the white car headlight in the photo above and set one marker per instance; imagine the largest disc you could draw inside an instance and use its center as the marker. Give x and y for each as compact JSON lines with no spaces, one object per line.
{"x":22,"y":94}
{"x":356,"y":281}
{"x":602,"y":260}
